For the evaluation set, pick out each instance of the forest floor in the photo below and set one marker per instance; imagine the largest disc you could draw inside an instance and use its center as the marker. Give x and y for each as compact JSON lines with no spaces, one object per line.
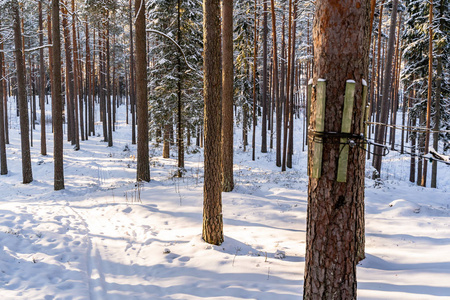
{"x":105,"y":237}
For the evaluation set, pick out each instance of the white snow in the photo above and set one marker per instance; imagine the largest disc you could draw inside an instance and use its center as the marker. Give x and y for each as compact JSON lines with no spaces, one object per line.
{"x":364,"y":82}
{"x":104,"y":237}
{"x":350,"y":81}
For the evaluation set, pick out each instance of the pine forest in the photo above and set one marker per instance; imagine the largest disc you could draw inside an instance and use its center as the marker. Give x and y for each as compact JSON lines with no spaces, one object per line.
{"x":206,"y":149}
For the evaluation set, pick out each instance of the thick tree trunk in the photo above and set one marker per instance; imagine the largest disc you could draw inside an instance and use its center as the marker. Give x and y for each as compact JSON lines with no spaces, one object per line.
{"x":335,"y":222}
{"x":27,"y":173}
{"x":212,"y":79}
{"x":143,"y":165}
{"x":227,"y":97}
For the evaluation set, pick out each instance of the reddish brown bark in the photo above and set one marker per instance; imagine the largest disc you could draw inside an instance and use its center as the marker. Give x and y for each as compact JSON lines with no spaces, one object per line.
{"x":27,"y":174}
{"x":143,"y":165}
{"x":227,"y":97}
{"x":335,"y":227}
{"x":212,"y":81}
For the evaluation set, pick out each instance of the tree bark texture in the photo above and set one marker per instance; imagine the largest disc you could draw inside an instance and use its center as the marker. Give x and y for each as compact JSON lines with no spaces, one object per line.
{"x":143,"y":165}
{"x":212,"y":81}
{"x":57,"y":101}
{"x":335,"y":223}
{"x":227,"y":97}
{"x":22,"y":96}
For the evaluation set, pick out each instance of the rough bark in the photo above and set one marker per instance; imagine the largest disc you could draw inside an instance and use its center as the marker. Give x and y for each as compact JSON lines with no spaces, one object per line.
{"x":212,"y":80}
{"x":143,"y":165}
{"x":227,"y":97}
{"x":335,"y":222}
{"x":22,"y":96}
{"x":57,"y":101}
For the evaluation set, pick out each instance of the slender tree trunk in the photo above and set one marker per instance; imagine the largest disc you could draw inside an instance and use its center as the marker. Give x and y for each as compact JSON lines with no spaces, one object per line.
{"x":412,"y":173}
{"x":290,"y":150}
{"x":212,"y":79}
{"x":42,"y":80}
{"x":5,"y":93}
{"x":114,"y":86}
{"x":421,"y":142}
{"x":180,"y":141}
{"x":335,"y":222}
{"x":70,"y":88}
{"x":3,"y":162}
{"x":166,"y":142}
{"x":89,"y":83}
{"x":57,"y":101}
{"x":276,"y":85}
{"x":143,"y":165}
{"x":255,"y":53}
{"x":108,"y":85}
{"x":76,"y":75}
{"x":430,"y":77}
{"x":437,"y":104}
{"x":264,"y":87}
{"x":132,"y":83}
{"x":27,"y":173}
{"x":283,"y":97}
{"x":227,"y":97}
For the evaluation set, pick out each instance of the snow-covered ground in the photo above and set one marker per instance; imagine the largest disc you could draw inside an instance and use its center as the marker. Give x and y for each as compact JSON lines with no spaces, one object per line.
{"x":104,"y":237}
